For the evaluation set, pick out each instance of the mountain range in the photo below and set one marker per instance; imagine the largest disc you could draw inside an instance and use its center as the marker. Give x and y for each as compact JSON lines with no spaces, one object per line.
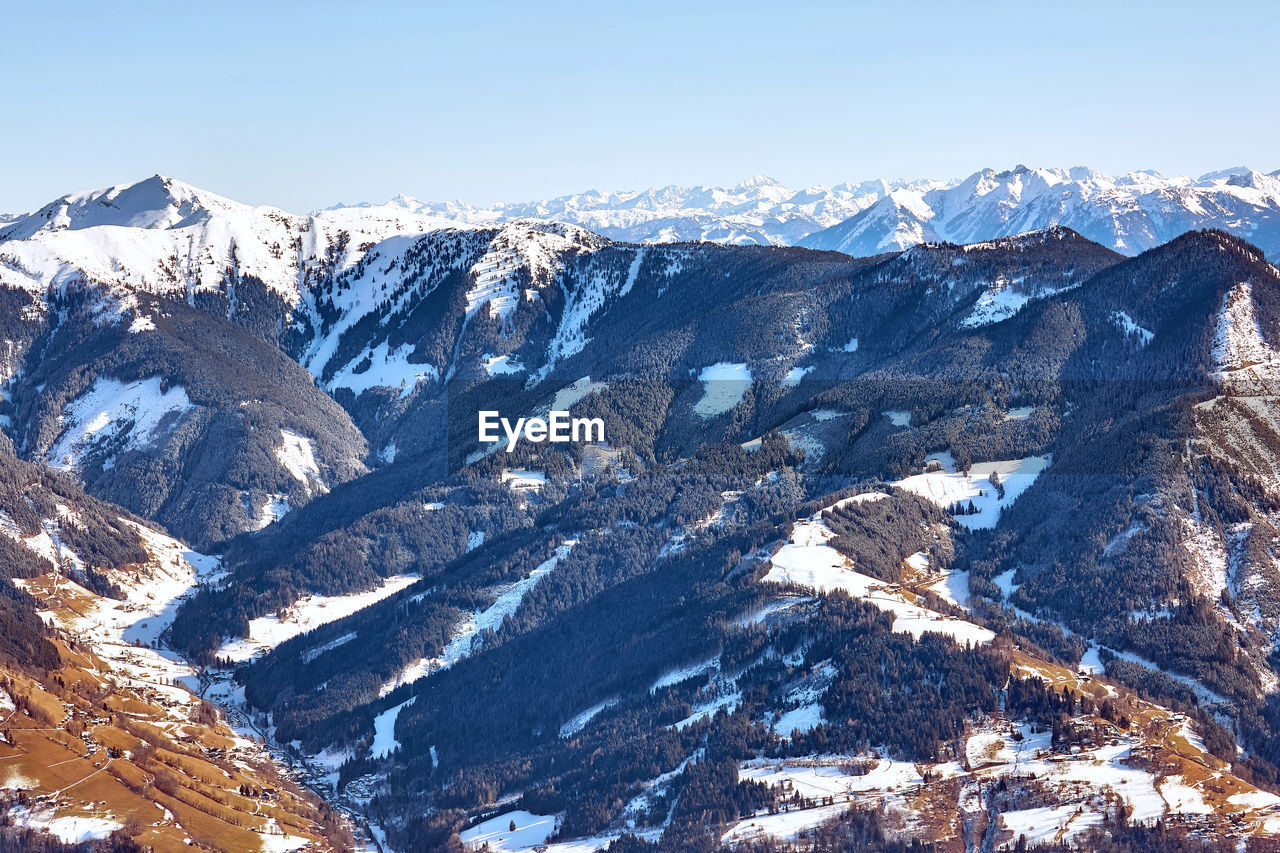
{"x":1128,"y":213}
{"x":963,"y":541}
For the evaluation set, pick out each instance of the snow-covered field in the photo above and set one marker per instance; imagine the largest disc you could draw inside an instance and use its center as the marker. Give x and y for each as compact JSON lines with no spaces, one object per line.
{"x":530,"y":830}
{"x":70,"y":829}
{"x":306,"y":614}
{"x":524,"y":481}
{"x":947,"y":487}
{"x":384,"y":730}
{"x":135,"y":413}
{"x":388,"y":368}
{"x":501,"y":365}
{"x":297,"y":456}
{"x":723,"y":385}
{"x":794,"y":375}
{"x":999,"y":301}
{"x":806,"y":559}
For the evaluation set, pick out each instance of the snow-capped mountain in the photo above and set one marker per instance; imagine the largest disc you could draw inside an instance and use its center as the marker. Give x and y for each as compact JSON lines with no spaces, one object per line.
{"x":164,"y":236}
{"x":1128,"y":213}
{"x":757,"y":211}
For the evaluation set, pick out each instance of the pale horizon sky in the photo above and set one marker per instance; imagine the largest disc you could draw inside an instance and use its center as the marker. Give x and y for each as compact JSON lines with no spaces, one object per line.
{"x":304,"y":106}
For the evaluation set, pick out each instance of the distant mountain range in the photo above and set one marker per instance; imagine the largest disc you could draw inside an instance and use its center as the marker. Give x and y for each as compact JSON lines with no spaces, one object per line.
{"x":1128,"y":213}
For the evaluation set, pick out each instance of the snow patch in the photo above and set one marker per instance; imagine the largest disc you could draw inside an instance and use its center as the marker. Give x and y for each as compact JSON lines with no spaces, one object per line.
{"x":724,"y":383}
{"x":122,"y":416}
{"x":946,"y":488}
{"x":307,"y":614}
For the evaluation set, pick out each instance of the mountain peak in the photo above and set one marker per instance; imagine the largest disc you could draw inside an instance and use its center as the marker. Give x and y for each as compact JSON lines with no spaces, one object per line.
{"x":757,"y":181}
{"x":157,"y":202}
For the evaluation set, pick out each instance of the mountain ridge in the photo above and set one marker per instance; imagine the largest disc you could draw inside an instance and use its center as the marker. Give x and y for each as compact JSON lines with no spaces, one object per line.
{"x":988,"y":203}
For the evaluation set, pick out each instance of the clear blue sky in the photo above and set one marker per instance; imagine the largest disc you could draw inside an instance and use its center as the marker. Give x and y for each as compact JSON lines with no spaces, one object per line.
{"x":304,"y":105}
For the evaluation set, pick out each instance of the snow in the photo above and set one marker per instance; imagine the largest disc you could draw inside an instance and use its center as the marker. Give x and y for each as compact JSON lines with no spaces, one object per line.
{"x":944,"y":488}
{"x":124,"y":416}
{"x":802,"y":719}
{"x":808,"y":561}
{"x":1004,"y":581}
{"x":988,"y":747}
{"x":579,"y":721}
{"x":676,"y":676}
{"x":298,"y":458}
{"x":501,"y":365}
{"x":524,"y":481}
{"x":274,"y":508}
{"x":632,"y":273}
{"x":531,"y":830}
{"x":570,"y":394}
{"x":1046,"y":824}
{"x":71,"y":829}
{"x":384,"y":730}
{"x":162,"y":236}
{"x":539,"y":248}
{"x":388,"y":368}
{"x":474,"y":540}
{"x":794,"y":375}
{"x":1238,"y":343}
{"x":852,"y":346}
{"x":761,"y":615}
{"x":471,"y":628}
{"x":1129,"y":213}
{"x":727,"y":701}
{"x":1184,"y":799}
{"x":1255,"y":800}
{"x":724,"y":383}
{"x":898,"y":419}
{"x":757,"y":211}
{"x":998,"y":302}
{"x":142,"y":323}
{"x":1019,"y":414}
{"x":46,"y":543}
{"x":311,"y":654}
{"x":281,"y":843}
{"x":1125,"y":322}
{"x":307,"y":614}
{"x":784,"y":825}
{"x":816,"y":777}
{"x":953,"y":587}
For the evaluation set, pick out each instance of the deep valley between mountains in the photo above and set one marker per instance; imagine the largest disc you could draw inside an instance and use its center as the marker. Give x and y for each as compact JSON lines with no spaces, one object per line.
{"x":953,"y":547}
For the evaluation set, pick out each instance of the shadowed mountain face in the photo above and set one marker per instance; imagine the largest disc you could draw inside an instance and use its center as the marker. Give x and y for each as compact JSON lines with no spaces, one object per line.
{"x":882,"y":532}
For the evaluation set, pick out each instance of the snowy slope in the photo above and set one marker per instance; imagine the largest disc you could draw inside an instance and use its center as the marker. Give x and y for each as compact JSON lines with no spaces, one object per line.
{"x":163,"y":236}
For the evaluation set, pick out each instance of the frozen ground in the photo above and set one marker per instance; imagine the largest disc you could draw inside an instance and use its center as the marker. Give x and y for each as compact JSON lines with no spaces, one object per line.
{"x":945,"y":488}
